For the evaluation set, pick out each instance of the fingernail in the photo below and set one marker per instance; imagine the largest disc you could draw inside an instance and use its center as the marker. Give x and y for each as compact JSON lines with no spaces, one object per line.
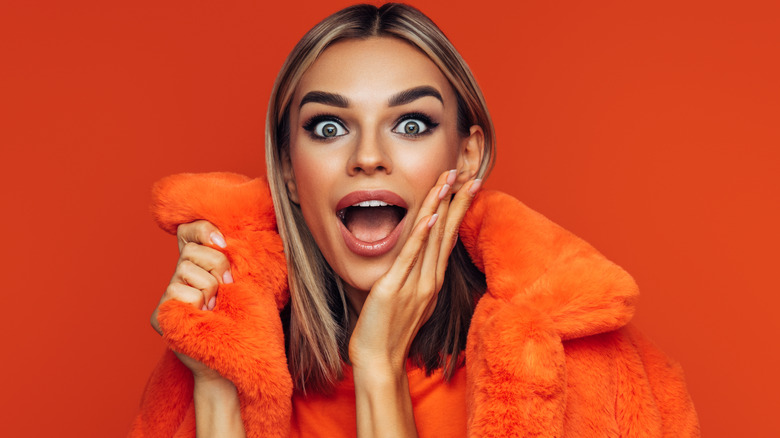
{"x":451,"y":177}
{"x":212,"y":303}
{"x":445,"y":190}
{"x":433,"y":219}
{"x":475,"y":186}
{"x":204,"y":307}
{"x":218,"y":240}
{"x":227,"y":277}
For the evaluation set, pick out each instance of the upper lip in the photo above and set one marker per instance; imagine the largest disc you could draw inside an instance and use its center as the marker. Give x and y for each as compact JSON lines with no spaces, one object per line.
{"x":385,"y":196}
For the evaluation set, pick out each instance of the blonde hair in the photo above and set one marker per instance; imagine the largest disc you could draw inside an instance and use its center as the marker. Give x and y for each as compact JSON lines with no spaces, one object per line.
{"x":318,"y":322}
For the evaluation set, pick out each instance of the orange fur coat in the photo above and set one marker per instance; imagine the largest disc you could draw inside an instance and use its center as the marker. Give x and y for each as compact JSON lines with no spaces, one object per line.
{"x":549,"y":353}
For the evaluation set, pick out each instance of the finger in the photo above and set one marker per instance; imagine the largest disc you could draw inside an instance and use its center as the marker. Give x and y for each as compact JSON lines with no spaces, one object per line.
{"x":457,"y":211}
{"x":432,"y":205}
{"x":210,"y":259}
{"x":410,"y":254}
{"x":180,"y":292}
{"x":193,"y":275}
{"x":408,"y":258}
{"x":435,"y":195}
{"x":431,"y":277}
{"x":202,"y":232}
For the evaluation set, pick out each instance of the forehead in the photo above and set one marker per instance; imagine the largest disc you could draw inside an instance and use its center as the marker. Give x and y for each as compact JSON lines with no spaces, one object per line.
{"x":372,"y":69}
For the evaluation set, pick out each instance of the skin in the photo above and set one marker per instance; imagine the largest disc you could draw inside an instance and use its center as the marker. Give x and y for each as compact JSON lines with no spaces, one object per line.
{"x":392,"y":295}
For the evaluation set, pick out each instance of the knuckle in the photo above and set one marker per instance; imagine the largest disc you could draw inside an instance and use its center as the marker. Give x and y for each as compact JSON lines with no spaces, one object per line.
{"x":189,"y":249}
{"x":185,"y":267}
{"x":183,"y":293}
{"x":203,"y":229}
{"x":222,"y":262}
{"x":212,"y":284}
{"x":172,"y":291}
{"x":180,"y":231}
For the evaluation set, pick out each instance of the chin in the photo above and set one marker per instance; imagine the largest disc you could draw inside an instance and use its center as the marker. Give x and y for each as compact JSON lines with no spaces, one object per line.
{"x":363,"y":274}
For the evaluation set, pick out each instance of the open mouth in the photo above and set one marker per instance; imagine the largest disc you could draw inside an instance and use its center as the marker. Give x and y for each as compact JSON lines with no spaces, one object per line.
{"x":371,"y":220}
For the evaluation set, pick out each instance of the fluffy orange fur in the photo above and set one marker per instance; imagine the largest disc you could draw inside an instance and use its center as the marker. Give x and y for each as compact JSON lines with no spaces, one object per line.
{"x":549,"y":353}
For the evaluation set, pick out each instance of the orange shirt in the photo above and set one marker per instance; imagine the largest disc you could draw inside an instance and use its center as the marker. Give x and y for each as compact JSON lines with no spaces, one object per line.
{"x":439,"y":407}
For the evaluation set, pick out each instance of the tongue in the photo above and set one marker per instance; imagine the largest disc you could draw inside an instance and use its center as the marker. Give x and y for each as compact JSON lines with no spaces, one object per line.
{"x":370,"y":224}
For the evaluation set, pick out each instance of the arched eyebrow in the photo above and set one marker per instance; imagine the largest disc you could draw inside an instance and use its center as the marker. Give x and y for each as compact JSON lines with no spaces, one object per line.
{"x":397,"y":99}
{"x":324,"y":98}
{"x":413,"y":94}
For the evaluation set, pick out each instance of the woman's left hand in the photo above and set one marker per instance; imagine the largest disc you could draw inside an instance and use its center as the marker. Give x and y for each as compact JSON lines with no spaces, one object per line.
{"x":403,"y":299}
{"x":399,"y":303}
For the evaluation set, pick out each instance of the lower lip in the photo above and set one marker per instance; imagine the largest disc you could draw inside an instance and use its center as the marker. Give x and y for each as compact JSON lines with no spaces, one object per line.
{"x":371,"y":249}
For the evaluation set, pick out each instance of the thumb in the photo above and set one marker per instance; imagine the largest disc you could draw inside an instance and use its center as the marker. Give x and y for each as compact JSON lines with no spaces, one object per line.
{"x":201,"y":232}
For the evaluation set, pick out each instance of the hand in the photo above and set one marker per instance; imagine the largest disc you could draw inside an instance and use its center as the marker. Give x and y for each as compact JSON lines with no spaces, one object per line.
{"x":403,"y":299}
{"x":199,"y":272}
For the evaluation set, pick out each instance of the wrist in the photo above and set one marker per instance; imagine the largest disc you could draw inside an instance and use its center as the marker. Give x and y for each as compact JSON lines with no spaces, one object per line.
{"x":217,"y":407}
{"x":384,"y":405}
{"x":213,"y":387}
{"x":376,"y":373}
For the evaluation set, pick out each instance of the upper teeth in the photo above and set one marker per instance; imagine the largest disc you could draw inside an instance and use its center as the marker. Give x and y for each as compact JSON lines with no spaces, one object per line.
{"x":371,"y":203}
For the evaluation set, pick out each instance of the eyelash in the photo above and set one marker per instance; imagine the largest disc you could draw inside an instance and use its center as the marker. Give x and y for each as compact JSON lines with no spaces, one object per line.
{"x":430,"y":125}
{"x":319,"y":118}
{"x":310,"y":124}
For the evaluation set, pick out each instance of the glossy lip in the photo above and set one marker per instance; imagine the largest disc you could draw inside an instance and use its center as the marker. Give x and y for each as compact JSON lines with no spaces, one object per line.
{"x":369,"y":195}
{"x":379,"y":247}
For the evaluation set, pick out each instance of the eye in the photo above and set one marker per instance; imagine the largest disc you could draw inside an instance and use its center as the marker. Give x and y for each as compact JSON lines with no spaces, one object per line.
{"x":328,"y":129}
{"x":321,"y":127}
{"x":414,"y":125}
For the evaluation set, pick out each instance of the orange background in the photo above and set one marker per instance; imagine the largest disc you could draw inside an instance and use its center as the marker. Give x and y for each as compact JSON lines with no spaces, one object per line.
{"x":650,"y":130}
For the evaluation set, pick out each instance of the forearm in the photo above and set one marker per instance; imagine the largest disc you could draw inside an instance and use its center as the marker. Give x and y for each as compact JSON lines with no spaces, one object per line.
{"x":217,"y":408}
{"x":384,"y":405}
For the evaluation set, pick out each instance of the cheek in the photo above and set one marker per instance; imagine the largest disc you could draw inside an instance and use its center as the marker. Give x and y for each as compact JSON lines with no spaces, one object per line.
{"x":424,"y":162}
{"x":314,"y":171}
{"x":311,"y":168}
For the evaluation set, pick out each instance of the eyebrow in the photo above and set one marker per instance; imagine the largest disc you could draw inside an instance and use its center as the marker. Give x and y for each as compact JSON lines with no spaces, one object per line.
{"x":398,"y":99}
{"x":413,"y":94}
{"x":322,"y":97}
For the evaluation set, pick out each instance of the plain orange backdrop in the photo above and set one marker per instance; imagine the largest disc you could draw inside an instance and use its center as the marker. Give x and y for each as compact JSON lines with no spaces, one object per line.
{"x":651,"y":129}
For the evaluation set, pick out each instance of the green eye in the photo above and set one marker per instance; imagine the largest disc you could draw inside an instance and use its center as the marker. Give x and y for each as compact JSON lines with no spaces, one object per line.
{"x":411,"y":127}
{"x":328,"y":129}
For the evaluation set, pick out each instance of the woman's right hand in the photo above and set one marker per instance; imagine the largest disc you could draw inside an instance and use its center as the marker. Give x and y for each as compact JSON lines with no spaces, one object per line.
{"x":199,"y":272}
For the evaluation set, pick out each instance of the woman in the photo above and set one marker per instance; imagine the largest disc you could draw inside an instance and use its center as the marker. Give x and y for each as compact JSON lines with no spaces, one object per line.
{"x":377,"y":142}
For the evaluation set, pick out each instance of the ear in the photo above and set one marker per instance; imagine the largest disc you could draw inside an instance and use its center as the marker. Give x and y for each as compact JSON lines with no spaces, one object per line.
{"x":472,"y":147}
{"x":289,"y":176}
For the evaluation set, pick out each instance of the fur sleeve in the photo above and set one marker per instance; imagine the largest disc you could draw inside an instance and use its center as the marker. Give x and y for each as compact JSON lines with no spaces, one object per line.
{"x":242,"y":337}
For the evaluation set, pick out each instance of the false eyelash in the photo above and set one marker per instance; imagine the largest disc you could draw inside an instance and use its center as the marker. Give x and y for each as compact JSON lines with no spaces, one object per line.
{"x":312,"y":122}
{"x":421,"y":117}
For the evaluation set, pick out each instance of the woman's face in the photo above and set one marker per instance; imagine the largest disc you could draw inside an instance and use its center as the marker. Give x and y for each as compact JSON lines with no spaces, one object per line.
{"x":372,"y":122}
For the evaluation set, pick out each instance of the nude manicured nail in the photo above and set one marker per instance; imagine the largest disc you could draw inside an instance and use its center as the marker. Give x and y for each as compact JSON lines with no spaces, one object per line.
{"x":212,"y":303}
{"x":475,"y":186}
{"x":451,"y":177}
{"x":204,"y":307}
{"x":227,"y":277}
{"x":433,"y":219}
{"x":445,"y":190}
{"x":218,"y":240}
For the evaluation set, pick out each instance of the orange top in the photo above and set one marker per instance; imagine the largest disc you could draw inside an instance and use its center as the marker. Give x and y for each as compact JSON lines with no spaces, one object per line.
{"x":439,"y":407}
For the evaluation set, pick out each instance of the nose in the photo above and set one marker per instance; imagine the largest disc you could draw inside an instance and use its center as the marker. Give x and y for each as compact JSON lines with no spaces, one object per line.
{"x":369,"y":156}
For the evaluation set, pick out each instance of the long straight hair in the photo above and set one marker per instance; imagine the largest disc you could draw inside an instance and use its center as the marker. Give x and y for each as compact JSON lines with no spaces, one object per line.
{"x":318,"y":322}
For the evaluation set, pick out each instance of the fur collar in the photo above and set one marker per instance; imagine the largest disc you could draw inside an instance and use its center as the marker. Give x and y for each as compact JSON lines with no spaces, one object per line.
{"x":545,"y":286}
